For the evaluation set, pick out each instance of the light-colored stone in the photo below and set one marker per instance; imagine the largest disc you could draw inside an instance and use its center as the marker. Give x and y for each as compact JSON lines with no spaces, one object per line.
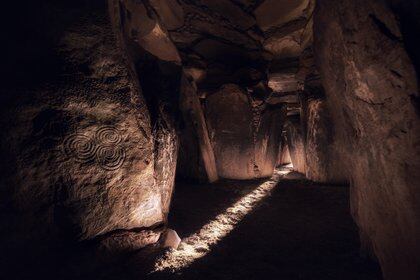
{"x":171,"y":239}
{"x":284,"y":154}
{"x":284,"y":81}
{"x":148,"y":32}
{"x":285,"y":45}
{"x":296,"y":144}
{"x":158,"y":43}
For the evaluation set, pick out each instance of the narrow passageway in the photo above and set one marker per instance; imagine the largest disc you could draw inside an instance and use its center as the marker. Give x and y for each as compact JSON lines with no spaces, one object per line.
{"x":210,"y":139}
{"x":296,"y":230}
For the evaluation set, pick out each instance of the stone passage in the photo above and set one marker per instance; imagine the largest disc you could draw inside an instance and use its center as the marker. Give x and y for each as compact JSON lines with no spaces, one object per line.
{"x":110,"y":108}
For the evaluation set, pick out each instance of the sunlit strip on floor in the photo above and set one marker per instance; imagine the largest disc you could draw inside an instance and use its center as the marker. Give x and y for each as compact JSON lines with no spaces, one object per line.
{"x":199,"y":244}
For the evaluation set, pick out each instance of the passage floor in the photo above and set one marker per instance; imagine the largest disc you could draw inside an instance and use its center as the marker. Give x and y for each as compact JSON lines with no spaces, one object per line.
{"x":296,"y":230}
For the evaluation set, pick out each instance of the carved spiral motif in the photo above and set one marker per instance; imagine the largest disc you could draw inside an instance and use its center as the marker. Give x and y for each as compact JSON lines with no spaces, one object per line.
{"x":105,"y":148}
{"x":108,"y":135}
{"x":110,"y":157}
{"x":80,"y":147}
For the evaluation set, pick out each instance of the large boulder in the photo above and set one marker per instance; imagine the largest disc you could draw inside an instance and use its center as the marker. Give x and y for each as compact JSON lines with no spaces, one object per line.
{"x":190,"y":163}
{"x":268,"y":140}
{"x":78,"y":152}
{"x":322,"y":152}
{"x":245,"y":139}
{"x":370,"y":85}
{"x":156,"y":64}
{"x":229,"y":118}
{"x":143,"y":27}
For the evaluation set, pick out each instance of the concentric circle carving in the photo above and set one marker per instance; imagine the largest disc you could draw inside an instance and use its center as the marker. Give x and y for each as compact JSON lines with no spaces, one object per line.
{"x":105,"y":148}
{"x":108,"y":135}
{"x":80,"y":147}
{"x":110,"y":157}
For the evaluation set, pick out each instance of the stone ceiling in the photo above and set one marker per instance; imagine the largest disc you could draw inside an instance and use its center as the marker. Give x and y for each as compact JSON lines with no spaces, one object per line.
{"x":271,"y":29}
{"x":254,"y":43}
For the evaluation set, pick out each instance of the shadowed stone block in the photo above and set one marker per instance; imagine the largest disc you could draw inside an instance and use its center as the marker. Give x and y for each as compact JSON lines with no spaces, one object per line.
{"x":296,"y":144}
{"x":370,"y":83}
{"x":229,"y":118}
{"x":245,"y":141}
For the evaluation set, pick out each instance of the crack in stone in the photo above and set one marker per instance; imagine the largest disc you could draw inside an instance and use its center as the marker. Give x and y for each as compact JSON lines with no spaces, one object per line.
{"x":384,"y":28}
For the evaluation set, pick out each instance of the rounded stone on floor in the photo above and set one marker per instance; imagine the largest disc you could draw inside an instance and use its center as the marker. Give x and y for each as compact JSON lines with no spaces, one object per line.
{"x":171,"y":239}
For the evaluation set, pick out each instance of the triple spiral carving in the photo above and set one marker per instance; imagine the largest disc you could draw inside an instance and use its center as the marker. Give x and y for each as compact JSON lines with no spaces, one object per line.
{"x":108,"y":135}
{"x":104,"y":148}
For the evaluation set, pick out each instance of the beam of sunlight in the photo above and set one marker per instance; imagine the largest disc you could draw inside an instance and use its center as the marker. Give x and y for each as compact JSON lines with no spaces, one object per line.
{"x":199,"y":244}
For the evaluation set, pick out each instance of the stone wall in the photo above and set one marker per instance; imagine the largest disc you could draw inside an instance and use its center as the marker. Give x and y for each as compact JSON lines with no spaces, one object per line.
{"x":246,"y":143}
{"x":323,"y":163}
{"x":190,"y":163}
{"x":296,"y":144}
{"x":229,"y":119}
{"x":370,"y":84}
{"x":318,"y":138}
{"x":80,"y":158}
{"x":284,"y":154}
{"x":156,"y":62}
{"x":268,"y":141}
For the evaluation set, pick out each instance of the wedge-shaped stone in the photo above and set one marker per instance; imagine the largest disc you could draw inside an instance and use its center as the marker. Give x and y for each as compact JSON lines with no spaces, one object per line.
{"x":284,"y":82}
{"x":278,"y":12}
{"x":170,"y":12}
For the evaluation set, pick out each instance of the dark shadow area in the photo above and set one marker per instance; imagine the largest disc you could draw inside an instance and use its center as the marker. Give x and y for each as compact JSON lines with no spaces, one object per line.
{"x":302,"y":231}
{"x":407,"y":12}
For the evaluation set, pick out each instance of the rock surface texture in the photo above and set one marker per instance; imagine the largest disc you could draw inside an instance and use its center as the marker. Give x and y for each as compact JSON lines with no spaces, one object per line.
{"x":230,"y":43}
{"x":229,"y":118}
{"x":322,"y":150}
{"x":370,"y":84}
{"x":105,"y":103}
{"x":91,"y":138}
{"x":296,"y":144}
{"x":81,"y":161}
